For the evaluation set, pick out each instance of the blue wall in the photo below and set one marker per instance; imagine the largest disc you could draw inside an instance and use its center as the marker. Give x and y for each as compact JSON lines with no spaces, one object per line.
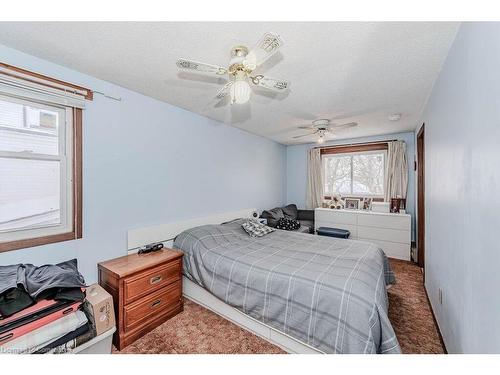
{"x":296,"y":169}
{"x":462,"y":181}
{"x":146,"y":162}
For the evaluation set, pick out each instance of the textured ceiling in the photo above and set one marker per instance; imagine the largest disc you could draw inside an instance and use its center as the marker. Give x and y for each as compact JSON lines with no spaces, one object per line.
{"x":354,"y":71}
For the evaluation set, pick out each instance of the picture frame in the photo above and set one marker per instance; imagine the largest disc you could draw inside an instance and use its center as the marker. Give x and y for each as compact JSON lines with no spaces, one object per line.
{"x":367,"y":204}
{"x":352,"y":203}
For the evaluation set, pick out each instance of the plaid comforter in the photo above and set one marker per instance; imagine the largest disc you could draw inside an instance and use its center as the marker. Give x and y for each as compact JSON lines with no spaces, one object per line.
{"x":329,"y":293}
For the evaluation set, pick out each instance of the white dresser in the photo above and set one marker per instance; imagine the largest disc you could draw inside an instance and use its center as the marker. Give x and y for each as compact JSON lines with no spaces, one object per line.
{"x":392,"y":232}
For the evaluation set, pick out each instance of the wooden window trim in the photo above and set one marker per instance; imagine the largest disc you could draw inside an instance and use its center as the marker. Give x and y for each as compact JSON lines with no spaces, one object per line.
{"x":77,"y":197}
{"x":88,"y":94}
{"x":362,"y":147}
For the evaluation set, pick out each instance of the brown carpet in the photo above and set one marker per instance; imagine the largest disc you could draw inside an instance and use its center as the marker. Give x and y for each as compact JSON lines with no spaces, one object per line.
{"x":198,"y":330}
{"x":410,"y":312}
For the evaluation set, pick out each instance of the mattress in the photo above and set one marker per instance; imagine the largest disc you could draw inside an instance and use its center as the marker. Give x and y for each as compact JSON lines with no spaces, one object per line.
{"x":327,"y":292}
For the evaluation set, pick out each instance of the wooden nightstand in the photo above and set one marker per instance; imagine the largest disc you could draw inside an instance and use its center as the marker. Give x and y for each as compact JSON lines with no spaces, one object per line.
{"x":146,"y":290}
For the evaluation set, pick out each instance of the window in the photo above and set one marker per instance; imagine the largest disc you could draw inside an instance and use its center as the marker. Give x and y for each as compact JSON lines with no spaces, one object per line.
{"x":40,"y":168}
{"x":358,"y":174}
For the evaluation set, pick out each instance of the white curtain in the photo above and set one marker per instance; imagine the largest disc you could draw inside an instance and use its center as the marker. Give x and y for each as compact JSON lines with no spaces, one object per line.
{"x":314,"y":179}
{"x":396,"y":180}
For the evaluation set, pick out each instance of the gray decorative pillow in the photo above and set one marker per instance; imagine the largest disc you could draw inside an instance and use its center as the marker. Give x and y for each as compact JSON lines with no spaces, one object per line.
{"x":273,"y":216}
{"x":256,"y":229}
{"x":290,"y":211}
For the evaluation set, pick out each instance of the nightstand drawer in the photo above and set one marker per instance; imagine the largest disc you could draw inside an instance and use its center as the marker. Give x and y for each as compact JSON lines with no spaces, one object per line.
{"x":150,"y":307}
{"x":136,"y":287}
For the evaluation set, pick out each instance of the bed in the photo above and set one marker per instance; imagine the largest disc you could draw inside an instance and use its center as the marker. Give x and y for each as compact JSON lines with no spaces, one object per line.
{"x":327,"y":293}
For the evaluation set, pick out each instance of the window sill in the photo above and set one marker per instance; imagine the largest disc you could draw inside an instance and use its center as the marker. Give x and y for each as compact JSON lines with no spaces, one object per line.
{"x":375,"y":198}
{"x":31,"y":242}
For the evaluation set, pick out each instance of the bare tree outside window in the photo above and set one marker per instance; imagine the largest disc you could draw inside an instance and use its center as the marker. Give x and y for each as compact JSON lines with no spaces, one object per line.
{"x":359,"y":174}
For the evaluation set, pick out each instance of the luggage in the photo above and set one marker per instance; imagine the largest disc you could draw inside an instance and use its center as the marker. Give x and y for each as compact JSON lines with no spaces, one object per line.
{"x":43,"y":336}
{"x":32,"y":322}
{"x":40,"y":308}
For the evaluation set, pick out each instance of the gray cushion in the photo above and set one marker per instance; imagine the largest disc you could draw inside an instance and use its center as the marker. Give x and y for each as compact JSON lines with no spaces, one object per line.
{"x":305,"y":215}
{"x":308,"y":225}
{"x":290,"y":211}
{"x":273,"y":216}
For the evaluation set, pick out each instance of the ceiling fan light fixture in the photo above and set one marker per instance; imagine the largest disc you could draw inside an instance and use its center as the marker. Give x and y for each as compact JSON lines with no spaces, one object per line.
{"x":240,"y":91}
{"x":321,"y":138}
{"x":243,"y":61}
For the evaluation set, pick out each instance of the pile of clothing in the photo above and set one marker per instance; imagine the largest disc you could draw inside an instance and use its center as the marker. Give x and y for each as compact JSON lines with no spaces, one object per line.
{"x":41,"y":308}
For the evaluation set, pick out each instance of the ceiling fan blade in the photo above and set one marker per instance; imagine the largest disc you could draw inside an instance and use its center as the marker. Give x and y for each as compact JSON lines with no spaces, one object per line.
{"x":343,"y":126}
{"x":218,"y":99}
{"x":267,"y":46}
{"x":303,"y":135}
{"x":307,"y":127}
{"x":201,"y":67}
{"x":274,"y":84}
{"x":223,"y":92}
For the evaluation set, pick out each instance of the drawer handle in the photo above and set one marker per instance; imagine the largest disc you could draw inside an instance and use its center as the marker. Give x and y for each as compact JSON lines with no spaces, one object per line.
{"x":155,"y":303}
{"x":155,"y":279}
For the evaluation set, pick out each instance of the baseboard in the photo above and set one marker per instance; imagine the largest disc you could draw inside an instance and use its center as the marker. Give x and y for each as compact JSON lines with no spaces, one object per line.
{"x":435,"y":321}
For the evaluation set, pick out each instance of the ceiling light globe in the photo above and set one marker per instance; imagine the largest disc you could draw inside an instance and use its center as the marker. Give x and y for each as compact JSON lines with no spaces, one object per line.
{"x":321,"y":140}
{"x":240,"y":92}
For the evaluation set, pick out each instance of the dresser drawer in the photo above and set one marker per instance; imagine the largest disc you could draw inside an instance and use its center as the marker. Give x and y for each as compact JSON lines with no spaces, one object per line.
{"x":390,"y":235}
{"x":399,"y":222}
{"x":141,"y":285}
{"x":335,"y":217}
{"x":152,"y":306}
{"x":391,"y":249}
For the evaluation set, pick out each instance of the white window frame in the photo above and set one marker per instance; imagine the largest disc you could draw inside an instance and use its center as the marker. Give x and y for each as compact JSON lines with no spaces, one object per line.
{"x":65,"y":157}
{"x":353,"y":195}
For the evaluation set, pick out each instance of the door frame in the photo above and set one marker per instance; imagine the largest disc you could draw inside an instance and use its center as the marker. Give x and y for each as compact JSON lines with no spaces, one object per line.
{"x":421,"y":196}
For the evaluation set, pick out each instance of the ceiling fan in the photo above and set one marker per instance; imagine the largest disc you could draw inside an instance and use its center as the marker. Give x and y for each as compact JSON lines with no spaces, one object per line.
{"x":241,"y":66}
{"x":322,"y":127}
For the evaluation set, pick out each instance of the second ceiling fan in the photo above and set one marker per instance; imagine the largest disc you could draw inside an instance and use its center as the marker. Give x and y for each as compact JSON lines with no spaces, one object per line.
{"x":323,"y":127}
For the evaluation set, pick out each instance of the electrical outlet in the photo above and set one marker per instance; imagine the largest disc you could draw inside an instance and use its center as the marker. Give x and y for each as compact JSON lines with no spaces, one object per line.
{"x":440,"y":296}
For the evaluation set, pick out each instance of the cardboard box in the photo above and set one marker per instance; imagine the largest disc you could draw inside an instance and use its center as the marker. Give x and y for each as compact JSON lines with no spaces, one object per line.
{"x":100,"y":310}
